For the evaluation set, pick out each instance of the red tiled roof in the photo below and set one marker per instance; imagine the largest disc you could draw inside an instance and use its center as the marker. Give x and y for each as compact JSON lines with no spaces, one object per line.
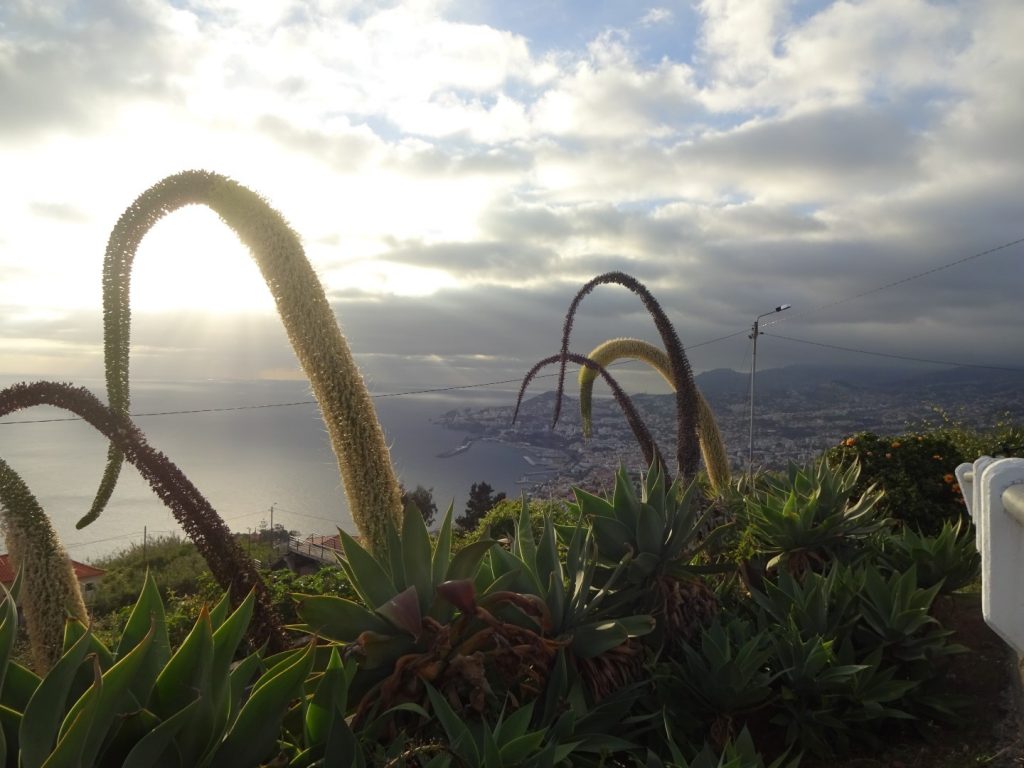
{"x":82,"y":571}
{"x":327,"y":542}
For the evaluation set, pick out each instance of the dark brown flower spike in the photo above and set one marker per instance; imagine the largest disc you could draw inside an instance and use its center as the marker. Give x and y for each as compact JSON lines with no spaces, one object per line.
{"x":636,"y":423}
{"x":232,"y":569}
{"x":687,"y":447}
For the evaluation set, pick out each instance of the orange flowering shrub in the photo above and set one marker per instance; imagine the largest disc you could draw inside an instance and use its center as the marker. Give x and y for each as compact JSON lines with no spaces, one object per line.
{"x":916,"y":473}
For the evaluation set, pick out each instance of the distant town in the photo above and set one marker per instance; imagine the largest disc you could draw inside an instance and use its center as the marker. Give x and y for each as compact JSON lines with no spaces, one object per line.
{"x":799,"y":412}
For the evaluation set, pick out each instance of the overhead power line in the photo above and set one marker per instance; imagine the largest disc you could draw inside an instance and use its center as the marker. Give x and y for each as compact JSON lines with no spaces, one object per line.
{"x":901,"y":281}
{"x":897,"y":357}
{"x":705,"y":343}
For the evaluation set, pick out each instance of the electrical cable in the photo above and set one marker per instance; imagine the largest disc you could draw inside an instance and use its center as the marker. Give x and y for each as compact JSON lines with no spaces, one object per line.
{"x":773,"y":321}
{"x":894,"y":356}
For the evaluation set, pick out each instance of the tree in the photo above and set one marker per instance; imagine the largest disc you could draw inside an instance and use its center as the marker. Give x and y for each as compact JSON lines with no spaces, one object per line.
{"x":423,"y":498}
{"x":481,"y":499}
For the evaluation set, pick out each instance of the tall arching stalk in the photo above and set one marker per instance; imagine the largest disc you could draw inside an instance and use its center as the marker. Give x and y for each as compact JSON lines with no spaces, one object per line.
{"x":711,"y":446}
{"x":356,"y":436}
{"x":687,"y":450}
{"x":50,"y":591}
{"x":643,"y":435}
{"x":228,"y":563}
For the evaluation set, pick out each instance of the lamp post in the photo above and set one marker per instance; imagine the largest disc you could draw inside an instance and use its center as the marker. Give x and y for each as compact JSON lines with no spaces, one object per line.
{"x":755,"y":331}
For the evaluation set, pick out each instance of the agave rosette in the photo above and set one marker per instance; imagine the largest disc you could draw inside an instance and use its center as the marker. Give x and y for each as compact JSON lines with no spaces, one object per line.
{"x":660,"y":530}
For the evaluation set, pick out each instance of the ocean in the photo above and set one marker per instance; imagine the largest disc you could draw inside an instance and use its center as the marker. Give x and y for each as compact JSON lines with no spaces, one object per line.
{"x":244,"y":461}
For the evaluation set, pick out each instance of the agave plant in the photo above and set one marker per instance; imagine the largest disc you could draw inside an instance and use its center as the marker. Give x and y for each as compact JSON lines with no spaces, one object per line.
{"x":482,"y":626}
{"x":140,"y":705}
{"x":735,"y":753}
{"x":404,"y":632}
{"x":660,"y":532}
{"x":949,"y":558}
{"x":808,"y":518}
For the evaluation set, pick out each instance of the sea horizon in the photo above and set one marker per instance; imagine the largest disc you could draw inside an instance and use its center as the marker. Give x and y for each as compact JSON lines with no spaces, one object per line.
{"x":272,"y":450}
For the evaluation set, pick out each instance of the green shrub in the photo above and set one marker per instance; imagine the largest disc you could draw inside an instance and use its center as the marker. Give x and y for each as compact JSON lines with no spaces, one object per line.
{"x":175,"y":563}
{"x":916,"y":472}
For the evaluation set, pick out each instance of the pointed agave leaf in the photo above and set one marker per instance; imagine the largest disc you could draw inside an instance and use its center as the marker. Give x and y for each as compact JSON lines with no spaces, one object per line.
{"x":612,"y":537}
{"x":239,"y":679}
{"x":328,"y":701}
{"x":226,"y":638}
{"x":40,"y":723}
{"x":624,"y":499}
{"x":368,"y":578}
{"x":156,"y":749}
{"x":403,"y":611}
{"x":460,"y":739}
{"x":492,"y":755}
{"x":394,"y":557}
{"x":525,"y":546}
{"x":228,"y":635}
{"x":336,"y":618}
{"x":112,"y":699}
{"x":517,"y":750}
{"x":548,"y":564}
{"x":19,"y":686}
{"x":74,"y":732}
{"x":195,"y":741}
{"x":147,"y":617}
{"x":416,"y":557}
{"x":255,"y":731}
{"x":220,"y":611}
{"x":650,"y":530}
{"x":591,"y":505}
{"x":187,"y":670}
{"x":442,"y":550}
{"x":466,"y":561}
{"x":593,"y":639}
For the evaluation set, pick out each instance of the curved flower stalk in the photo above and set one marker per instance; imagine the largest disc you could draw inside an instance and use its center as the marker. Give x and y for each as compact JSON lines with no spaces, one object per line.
{"x":643,"y":436}
{"x":356,"y":436}
{"x":711,"y":446}
{"x":50,"y":591}
{"x":687,"y":450}
{"x":228,"y":563}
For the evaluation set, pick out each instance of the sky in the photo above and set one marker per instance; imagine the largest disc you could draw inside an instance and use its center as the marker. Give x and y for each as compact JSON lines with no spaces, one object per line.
{"x":458,"y":169}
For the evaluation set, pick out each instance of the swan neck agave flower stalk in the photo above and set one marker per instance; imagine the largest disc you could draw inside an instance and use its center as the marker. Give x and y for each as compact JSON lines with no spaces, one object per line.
{"x":687,"y":449}
{"x":356,"y":436}
{"x":228,"y":563}
{"x":652,"y":455}
{"x":711,"y":446}
{"x":49,"y":590}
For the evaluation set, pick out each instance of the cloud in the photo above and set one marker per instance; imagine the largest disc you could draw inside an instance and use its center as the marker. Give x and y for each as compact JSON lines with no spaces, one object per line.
{"x":656,"y":16}
{"x":68,"y":68}
{"x":58,"y":211}
{"x":501,"y":261}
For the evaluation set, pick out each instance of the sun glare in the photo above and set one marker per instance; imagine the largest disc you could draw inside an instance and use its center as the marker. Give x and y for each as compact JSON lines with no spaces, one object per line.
{"x":191,"y":260}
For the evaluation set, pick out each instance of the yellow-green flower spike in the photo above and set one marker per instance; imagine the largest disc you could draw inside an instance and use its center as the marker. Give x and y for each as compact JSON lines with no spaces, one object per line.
{"x":712,"y":448}
{"x":364,"y":462}
{"x":50,"y":591}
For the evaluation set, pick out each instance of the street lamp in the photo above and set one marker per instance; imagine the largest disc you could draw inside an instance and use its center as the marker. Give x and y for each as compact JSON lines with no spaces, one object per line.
{"x":755,"y":331}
